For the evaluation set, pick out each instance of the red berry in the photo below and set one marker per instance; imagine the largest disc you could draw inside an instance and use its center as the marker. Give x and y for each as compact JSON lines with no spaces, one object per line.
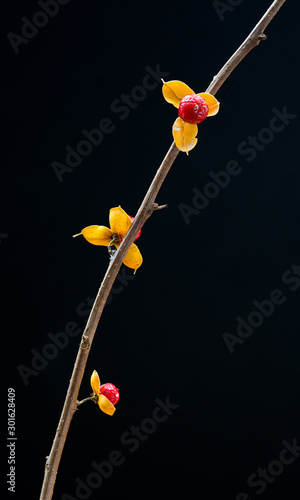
{"x":110,"y":392}
{"x":193,"y":109}
{"x":139,"y":233}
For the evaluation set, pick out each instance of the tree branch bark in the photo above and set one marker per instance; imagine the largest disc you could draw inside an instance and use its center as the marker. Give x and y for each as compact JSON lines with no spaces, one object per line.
{"x":145,"y":211}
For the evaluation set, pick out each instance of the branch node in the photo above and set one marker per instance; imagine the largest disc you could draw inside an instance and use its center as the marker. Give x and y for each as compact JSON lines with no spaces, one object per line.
{"x":84,"y":344}
{"x":261,"y":38}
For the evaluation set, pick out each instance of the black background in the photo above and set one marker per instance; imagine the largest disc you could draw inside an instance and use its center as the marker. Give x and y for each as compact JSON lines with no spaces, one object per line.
{"x":161,"y":334}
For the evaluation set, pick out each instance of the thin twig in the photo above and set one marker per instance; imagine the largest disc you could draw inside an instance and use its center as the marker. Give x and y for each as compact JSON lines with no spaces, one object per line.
{"x":145,"y":211}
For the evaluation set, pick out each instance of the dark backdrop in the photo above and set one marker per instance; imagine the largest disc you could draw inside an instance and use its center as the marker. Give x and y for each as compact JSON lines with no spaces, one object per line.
{"x":203,"y":342}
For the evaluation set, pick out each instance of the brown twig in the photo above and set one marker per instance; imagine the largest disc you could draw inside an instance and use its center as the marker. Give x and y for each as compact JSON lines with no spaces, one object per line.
{"x":145,"y":211}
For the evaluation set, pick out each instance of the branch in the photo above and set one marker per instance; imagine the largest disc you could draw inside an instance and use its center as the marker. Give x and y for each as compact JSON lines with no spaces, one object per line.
{"x":252,"y":40}
{"x":146,"y":209}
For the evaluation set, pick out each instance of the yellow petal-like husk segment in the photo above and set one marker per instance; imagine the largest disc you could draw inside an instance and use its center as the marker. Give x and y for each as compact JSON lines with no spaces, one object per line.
{"x":174,"y":91}
{"x":133,"y":258}
{"x":119,"y":221}
{"x":105,"y":405}
{"x":212,"y":103}
{"x":184,"y":135}
{"x":95,"y":382}
{"x":97,"y":235}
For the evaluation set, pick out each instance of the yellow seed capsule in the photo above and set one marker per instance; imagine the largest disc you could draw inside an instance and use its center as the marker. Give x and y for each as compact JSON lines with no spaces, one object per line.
{"x":184,"y":135}
{"x":97,"y":235}
{"x":95,"y":382}
{"x":212,"y":103}
{"x":174,"y":91}
{"x":133,"y":259}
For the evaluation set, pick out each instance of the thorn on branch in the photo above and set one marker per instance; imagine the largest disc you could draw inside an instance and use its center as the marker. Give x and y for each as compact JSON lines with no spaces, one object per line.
{"x":158,"y":207}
